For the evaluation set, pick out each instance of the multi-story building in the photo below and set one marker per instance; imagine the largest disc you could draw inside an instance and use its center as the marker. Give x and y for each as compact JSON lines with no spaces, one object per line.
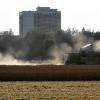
{"x":42,"y":20}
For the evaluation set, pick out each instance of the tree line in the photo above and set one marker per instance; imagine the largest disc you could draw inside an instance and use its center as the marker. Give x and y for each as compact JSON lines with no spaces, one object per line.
{"x":38,"y":45}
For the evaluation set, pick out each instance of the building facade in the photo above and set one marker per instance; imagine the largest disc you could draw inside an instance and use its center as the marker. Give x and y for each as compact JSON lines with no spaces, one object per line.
{"x":42,"y":20}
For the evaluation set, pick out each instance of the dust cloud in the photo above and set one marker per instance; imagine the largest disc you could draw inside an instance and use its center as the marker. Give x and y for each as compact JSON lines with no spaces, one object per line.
{"x":97,"y":46}
{"x":10,"y":60}
{"x":41,"y":48}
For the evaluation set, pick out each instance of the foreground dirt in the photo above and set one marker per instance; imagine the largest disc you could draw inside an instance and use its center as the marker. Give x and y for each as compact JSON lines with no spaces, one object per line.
{"x":49,"y":72}
{"x":84,"y":90}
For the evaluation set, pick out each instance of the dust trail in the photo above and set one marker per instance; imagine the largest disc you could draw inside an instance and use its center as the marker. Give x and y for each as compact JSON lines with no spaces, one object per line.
{"x":58,"y":52}
{"x":97,"y":46}
{"x":9,"y":60}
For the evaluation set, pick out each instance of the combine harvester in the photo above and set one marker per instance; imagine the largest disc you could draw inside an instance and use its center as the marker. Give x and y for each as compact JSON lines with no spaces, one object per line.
{"x":87,"y":56}
{"x":78,"y":66}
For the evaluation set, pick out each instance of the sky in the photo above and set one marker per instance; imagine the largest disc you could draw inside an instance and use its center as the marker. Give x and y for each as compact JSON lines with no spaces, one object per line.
{"x":74,"y":13}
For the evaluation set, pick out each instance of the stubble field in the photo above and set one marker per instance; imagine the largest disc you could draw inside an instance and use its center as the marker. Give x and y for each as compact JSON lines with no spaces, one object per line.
{"x":50,"y":90}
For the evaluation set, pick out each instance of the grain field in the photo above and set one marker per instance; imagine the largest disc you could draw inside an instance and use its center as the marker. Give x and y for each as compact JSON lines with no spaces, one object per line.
{"x":50,"y":90}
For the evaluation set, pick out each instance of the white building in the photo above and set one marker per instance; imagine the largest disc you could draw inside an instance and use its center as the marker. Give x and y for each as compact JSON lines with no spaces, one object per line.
{"x":43,"y":19}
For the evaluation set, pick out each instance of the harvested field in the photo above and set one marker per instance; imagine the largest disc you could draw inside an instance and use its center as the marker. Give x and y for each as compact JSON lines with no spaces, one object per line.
{"x":49,"y":72}
{"x":72,"y":90}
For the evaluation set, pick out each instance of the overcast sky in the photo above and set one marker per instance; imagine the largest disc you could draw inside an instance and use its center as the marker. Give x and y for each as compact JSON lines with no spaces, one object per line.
{"x":75,"y":13}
